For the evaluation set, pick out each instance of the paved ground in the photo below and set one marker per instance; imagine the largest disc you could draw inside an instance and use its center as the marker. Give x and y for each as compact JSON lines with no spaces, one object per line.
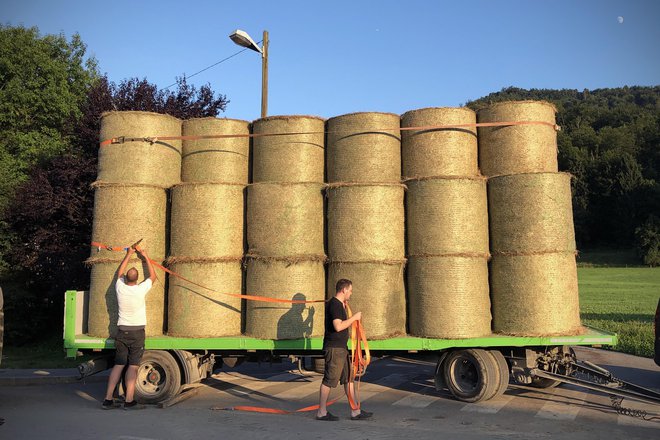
{"x":399,"y":391}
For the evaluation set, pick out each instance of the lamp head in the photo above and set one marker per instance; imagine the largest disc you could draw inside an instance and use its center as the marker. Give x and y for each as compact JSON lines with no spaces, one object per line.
{"x":244,"y":40}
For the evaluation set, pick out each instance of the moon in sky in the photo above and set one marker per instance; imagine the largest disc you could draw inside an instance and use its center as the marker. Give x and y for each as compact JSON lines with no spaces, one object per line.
{"x":619,"y":19}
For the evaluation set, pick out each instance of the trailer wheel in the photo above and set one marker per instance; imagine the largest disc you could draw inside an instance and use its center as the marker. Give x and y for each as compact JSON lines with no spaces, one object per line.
{"x":159,"y":377}
{"x":471,"y":375}
{"x":503,"y":369}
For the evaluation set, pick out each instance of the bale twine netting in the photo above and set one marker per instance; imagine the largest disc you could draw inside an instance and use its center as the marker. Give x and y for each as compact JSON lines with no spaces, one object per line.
{"x":447,"y":216}
{"x":531,"y":213}
{"x":103,"y":309}
{"x":124,"y":214}
{"x":366,"y":222}
{"x":535,"y":295}
{"x":200,"y":313}
{"x":216,"y":160}
{"x":285,"y":219}
{"x":448,"y":297}
{"x":518,"y":148}
{"x":304,"y":280}
{"x":141,"y":162}
{"x":207,"y":220}
{"x":378,"y":292}
{"x":439,"y":151}
{"x":364,"y":147}
{"x":294,"y":157}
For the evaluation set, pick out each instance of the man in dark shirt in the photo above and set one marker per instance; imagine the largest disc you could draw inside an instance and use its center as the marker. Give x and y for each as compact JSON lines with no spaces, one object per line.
{"x":337,"y":365}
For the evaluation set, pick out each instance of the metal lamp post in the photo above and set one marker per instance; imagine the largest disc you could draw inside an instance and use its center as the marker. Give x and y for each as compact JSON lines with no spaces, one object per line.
{"x":243,"y":39}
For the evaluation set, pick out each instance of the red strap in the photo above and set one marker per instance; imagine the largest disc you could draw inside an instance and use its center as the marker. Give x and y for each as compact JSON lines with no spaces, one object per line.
{"x":122,"y":139}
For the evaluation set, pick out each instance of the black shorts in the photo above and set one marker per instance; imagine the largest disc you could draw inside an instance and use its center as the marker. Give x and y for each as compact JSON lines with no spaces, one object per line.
{"x":337,"y":367}
{"x":130,"y":347}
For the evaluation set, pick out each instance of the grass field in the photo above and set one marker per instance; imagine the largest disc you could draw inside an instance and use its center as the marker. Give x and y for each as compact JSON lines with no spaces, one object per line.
{"x":621,"y":300}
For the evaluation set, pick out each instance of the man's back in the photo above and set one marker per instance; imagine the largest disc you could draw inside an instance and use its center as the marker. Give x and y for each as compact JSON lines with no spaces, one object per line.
{"x":130,"y":299}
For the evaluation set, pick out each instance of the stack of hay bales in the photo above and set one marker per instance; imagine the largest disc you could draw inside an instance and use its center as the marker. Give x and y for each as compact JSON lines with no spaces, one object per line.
{"x":447,"y":226}
{"x":366,"y":217}
{"x":285,"y":228}
{"x":533,"y":271}
{"x":207,"y":230}
{"x":130,"y":203}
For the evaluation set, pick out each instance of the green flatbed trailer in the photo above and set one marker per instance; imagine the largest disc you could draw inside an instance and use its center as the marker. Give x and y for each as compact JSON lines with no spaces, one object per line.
{"x":473,"y":369}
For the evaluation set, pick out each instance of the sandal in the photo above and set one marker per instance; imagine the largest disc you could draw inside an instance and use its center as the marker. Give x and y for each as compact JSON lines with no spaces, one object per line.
{"x":328,"y":417}
{"x":363,"y":415}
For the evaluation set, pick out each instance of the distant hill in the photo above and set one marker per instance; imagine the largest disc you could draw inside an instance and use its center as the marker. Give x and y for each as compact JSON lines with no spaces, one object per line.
{"x":610,"y":142}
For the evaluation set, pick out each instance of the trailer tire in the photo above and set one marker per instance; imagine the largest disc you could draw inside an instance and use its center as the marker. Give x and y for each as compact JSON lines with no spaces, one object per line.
{"x":504,"y":373}
{"x":472,"y":375}
{"x":159,"y":377}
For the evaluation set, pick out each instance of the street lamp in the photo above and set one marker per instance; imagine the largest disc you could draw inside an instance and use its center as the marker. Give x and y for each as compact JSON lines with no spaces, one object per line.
{"x":243,"y":39}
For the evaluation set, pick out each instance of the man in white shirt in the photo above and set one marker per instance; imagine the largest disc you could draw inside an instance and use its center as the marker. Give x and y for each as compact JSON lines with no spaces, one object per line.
{"x":129,"y":340}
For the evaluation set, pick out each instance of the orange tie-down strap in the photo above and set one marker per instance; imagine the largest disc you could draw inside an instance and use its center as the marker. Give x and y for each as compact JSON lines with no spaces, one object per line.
{"x":235,"y":295}
{"x":153,"y":139}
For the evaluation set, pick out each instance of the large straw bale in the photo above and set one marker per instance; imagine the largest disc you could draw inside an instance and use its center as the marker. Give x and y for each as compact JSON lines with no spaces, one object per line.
{"x":103,"y":309}
{"x":140,"y":162}
{"x":531,"y":213}
{"x":447,"y":216}
{"x":288,"y":158}
{"x":215,"y":160}
{"x":448,"y":297}
{"x":518,"y":148}
{"x":123,"y":214}
{"x":366,"y":222}
{"x":439,"y":151}
{"x":285,"y":220}
{"x":535,"y":295}
{"x":378,"y":292}
{"x":207,"y":220}
{"x":364,"y":147}
{"x":195,"y":312}
{"x":291,"y":281}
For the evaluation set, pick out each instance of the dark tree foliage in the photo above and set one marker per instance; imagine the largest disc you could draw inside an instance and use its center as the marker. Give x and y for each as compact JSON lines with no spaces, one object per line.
{"x":610,"y":142}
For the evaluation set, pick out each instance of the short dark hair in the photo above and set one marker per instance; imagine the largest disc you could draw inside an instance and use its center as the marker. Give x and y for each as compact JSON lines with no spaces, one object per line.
{"x":132,"y":274}
{"x":342,"y":284}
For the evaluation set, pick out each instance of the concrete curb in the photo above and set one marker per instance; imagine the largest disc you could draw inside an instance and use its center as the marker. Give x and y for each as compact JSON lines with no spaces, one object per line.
{"x":18,"y":377}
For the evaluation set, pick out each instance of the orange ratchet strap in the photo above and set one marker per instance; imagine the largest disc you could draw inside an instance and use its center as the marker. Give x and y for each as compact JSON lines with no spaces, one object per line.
{"x":123,"y":139}
{"x":360,"y":358}
{"x":100,"y":246}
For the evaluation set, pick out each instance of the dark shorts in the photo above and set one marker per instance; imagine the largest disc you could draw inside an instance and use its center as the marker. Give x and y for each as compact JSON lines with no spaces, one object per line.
{"x":337,"y":367}
{"x":129,"y":346}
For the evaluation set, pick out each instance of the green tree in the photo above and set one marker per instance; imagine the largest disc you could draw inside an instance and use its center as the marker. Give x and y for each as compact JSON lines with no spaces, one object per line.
{"x":44,"y":82}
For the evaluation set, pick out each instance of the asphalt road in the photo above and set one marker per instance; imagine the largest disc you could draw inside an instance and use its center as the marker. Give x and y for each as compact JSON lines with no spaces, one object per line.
{"x":399,"y":391}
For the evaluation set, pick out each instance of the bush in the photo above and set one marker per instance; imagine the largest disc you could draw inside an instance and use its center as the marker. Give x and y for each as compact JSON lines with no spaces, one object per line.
{"x":648,"y":241}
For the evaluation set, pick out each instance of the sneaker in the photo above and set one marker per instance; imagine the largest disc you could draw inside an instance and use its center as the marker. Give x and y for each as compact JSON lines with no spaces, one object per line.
{"x":363,"y":415}
{"x":130,"y":406}
{"x":328,"y":417}
{"x":109,"y":404}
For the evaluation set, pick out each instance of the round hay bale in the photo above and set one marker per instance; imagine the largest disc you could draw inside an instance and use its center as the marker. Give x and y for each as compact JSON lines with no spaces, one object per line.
{"x":441,"y":151}
{"x":366,"y":222}
{"x":448,"y":297}
{"x":289,"y":158}
{"x":535,"y":295}
{"x":157,"y":163}
{"x":531,"y":213}
{"x":103,"y":310}
{"x":215,"y":160}
{"x":378,"y":292}
{"x":194,"y":312}
{"x":285,"y":220}
{"x":124,"y":214}
{"x":447,"y":216}
{"x":207,"y":220}
{"x":364,"y":147}
{"x":518,"y":148}
{"x":278,"y":279}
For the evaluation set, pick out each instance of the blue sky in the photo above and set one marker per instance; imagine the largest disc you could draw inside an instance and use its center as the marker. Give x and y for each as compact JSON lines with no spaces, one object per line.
{"x":335,"y":57}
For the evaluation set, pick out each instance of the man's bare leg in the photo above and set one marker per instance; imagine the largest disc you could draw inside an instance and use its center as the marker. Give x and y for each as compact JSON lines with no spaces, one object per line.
{"x":113,"y":380}
{"x":131,"y":378}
